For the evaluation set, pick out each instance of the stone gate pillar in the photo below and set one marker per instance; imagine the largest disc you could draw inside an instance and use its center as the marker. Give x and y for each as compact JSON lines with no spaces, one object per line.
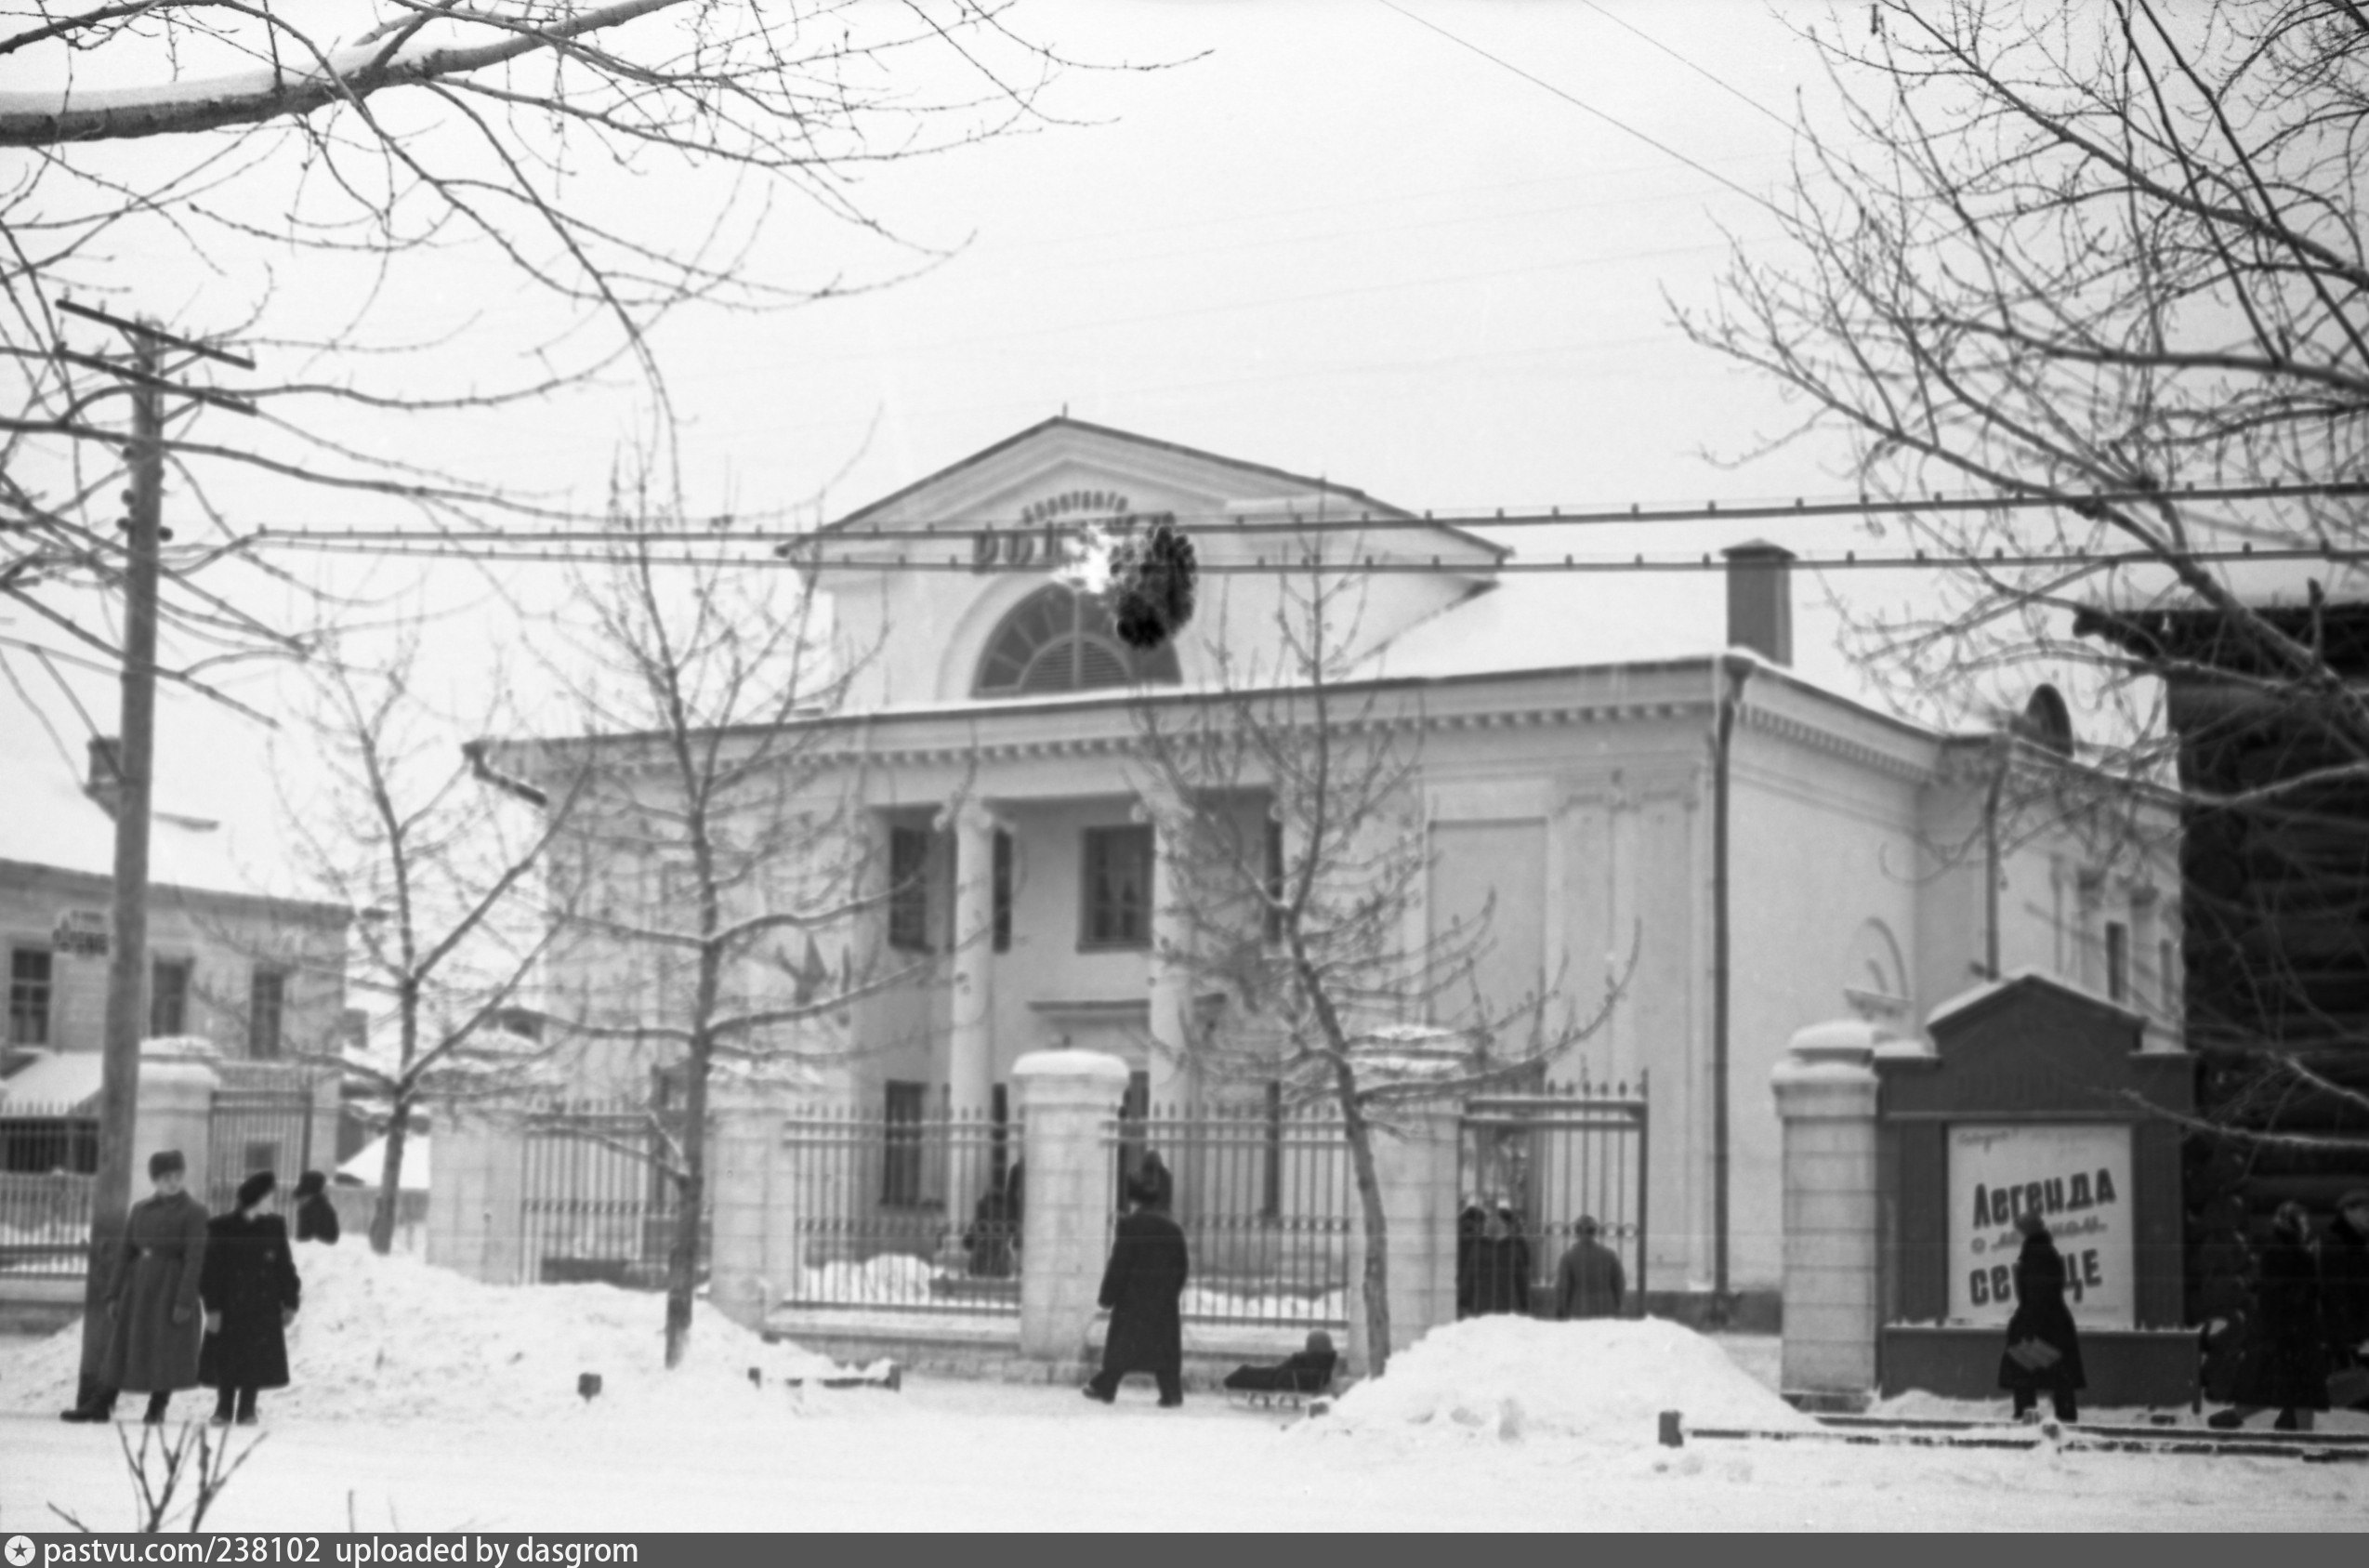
{"x":748,"y":1178}
{"x":1826,"y":1091}
{"x":1067,"y":1098}
{"x":477,"y":1204}
{"x":1414,"y":1165}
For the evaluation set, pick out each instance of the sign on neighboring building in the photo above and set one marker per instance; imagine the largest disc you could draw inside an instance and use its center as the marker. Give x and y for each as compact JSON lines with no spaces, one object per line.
{"x":81,"y":933}
{"x":2078,"y":1179}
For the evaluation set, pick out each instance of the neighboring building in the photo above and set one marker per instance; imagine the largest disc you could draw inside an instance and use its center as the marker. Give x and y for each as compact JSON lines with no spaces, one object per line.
{"x":1568,"y":733}
{"x":259,"y":978}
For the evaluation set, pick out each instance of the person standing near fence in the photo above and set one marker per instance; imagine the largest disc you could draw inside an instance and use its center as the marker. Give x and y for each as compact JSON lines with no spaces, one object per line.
{"x":2285,"y":1365}
{"x":1142,"y":1287}
{"x":316,"y":1215}
{"x":152,"y":1306}
{"x":1590,"y":1280}
{"x":250,"y":1289}
{"x":2344,"y":1282}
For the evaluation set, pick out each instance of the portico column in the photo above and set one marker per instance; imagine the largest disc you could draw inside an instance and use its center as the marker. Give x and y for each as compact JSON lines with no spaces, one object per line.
{"x":971,"y":1042}
{"x":1169,"y":980}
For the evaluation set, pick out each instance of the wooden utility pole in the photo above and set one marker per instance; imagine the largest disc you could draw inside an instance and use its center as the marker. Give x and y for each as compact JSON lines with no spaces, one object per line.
{"x":134,"y":762}
{"x":127,"y":937}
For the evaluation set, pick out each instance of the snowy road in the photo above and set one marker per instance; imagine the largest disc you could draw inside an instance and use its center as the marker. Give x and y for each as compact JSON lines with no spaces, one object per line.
{"x":969,"y":1455}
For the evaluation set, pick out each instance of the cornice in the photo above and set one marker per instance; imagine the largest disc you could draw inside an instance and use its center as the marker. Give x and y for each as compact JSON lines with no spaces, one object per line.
{"x":1787,"y":727}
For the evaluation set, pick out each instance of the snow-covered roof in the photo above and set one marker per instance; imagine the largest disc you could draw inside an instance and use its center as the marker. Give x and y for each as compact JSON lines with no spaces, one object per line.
{"x":212,"y":820}
{"x":370,"y":1163}
{"x":60,"y":1081}
{"x":1974,"y":996}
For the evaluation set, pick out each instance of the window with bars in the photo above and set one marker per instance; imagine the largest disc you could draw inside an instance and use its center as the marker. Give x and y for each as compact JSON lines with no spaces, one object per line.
{"x":909,"y":889}
{"x":267,"y":1006}
{"x":1117,"y":901}
{"x":29,"y":988}
{"x":168,"y":997}
{"x":1057,"y":640}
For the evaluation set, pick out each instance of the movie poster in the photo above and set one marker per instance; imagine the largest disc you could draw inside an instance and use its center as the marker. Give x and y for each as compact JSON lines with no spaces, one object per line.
{"x":2078,"y":1179}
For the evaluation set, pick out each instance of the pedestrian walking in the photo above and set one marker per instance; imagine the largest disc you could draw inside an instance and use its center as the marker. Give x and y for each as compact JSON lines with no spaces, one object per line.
{"x":1142,"y":1289}
{"x":2344,"y":1284}
{"x":153,"y":1304}
{"x":2044,"y":1351}
{"x":316,"y":1215}
{"x":251,"y":1292}
{"x":2286,"y":1364}
{"x":1588,"y":1282}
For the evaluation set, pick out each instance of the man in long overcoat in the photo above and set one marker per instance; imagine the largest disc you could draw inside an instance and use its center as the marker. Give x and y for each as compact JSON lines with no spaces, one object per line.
{"x":1141,"y":1286}
{"x":152,"y":1308}
{"x":2285,"y":1368}
{"x":1590,"y":1280}
{"x":251,"y":1291}
{"x":2041,"y":1320}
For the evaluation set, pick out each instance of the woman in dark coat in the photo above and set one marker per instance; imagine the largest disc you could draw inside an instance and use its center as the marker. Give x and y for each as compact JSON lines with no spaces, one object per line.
{"x":1140,"y":1287}
{"x":251,"y":1293}
{"x":2287,"y":1365}
{"x":316,"y":1215}
{"x":153,"y":1310}
{"x":2043,"y":1349}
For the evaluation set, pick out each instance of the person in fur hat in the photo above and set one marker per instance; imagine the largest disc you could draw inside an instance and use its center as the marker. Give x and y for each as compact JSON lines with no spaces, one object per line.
{"x":153,"y":1304}
{"x":251,"y":1292}
{"x":1141,"y":1288}
{"x":2043,"y":1349}
{"x":316,"y":1215}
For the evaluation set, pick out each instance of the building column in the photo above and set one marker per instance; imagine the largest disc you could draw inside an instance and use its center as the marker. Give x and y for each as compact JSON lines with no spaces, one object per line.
{"x":1068,"y":1099}
{"x":970,"y":1075}
{"x":1826,"y":1098}
{"x":1170,"y":981}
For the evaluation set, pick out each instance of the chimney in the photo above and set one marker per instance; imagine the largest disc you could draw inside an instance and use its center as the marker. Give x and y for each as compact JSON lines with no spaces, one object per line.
{"x":1760,"y":599}
{"x":106,"y":782}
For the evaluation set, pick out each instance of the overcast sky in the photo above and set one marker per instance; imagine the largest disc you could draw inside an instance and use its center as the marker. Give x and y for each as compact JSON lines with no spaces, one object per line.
{"x":1332,"y":238}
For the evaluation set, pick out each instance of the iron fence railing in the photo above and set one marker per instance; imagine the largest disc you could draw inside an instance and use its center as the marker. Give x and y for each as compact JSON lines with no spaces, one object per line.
{"x":1264,"y":1195}
{"x":904,"y":1213}
{"x":48,"y":1154}
{"x":1569,"y":1154}
{"x":598,"y":1204}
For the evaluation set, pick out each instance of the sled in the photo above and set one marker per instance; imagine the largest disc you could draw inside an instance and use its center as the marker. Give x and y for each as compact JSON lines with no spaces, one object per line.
{"x":1315,"y":1401}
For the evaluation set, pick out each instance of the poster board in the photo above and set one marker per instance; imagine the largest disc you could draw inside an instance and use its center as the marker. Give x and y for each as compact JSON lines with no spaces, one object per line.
{"x":2078,"y":1177}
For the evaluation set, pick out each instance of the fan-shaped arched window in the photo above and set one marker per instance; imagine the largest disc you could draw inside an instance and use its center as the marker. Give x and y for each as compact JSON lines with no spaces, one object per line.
{"x":1057,"y":640}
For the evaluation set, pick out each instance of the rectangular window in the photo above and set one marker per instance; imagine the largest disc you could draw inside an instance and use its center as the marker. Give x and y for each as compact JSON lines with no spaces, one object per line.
{"x":2117,"y":961}
{"x":909,"y":889}
{"x":29,"y":997}
{"x":168,"y":997}
{"x":267,"y":999}
{"x":1118,"y":888}
{"x":1003,"y":893}
{"x":900,"y":1144}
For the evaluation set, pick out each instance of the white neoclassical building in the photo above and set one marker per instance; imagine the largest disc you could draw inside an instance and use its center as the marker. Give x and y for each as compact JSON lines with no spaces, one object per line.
{"x":1622,"y":767}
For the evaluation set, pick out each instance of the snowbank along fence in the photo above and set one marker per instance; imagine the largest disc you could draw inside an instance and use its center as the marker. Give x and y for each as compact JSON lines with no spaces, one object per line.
{"x":1263,"y":1193}
{"x":909,"y":1208}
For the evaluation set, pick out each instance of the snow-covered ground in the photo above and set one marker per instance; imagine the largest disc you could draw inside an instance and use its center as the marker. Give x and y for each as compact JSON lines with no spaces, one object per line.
{"x":427,"y":1403}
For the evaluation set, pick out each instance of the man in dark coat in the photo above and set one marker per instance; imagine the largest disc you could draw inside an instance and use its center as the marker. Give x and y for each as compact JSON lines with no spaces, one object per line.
{"x":1141,"y":1286}
{"x":316,"y":1215}
{"x":1473,"y":1226}
{"x":2043,"y":1350}
{"x":1590,"y":1280}
{"x":153,"y":1304}
{"x":251,"y":1291}
{"x":2286,"y":1366}
{"x":1501,"y":1274}
{"x":2344,"y":1282}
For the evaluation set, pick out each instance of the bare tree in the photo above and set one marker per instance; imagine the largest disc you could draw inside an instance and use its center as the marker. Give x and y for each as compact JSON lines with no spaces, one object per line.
{"x":1295,"y":857}
{"x":712,"y":855}
{"x":2089,"y":283}
{"x":486,"y":204}
{"x":444,"y":878}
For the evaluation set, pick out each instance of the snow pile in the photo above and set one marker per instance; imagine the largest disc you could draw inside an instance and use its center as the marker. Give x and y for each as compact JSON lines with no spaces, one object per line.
{"x":1608,"y":1379}
{"x":390,"y":1339}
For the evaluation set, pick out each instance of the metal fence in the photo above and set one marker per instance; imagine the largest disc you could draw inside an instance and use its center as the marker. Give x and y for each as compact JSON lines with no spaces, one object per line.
{"x":256,"y":1128}
{"x":597,"y":1203}
{"x":1570,"y":1153}
{"x":902,"y":1212}
{"x":1265,"y":1198}
{"x":48,"y":1154}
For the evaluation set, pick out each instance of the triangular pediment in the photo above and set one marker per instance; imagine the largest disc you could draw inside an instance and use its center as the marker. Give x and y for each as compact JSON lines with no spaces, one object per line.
{"x":2030,"y":1045}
